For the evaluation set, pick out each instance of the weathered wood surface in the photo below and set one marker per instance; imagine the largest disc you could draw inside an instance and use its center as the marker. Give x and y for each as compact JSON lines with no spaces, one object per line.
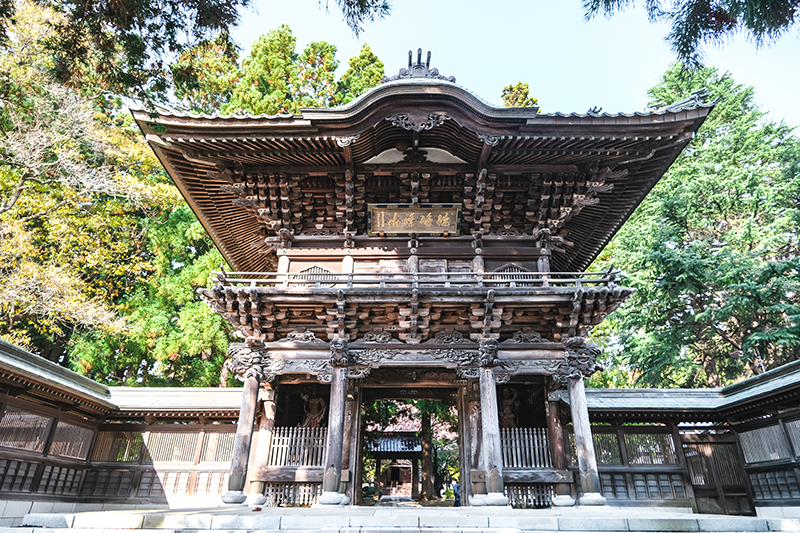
{"x":587,"y":462}
{"x":525,"y":448}
{"x":492,"y":458}
{"x":297,"y":447}
{"x":288,"y":474}
{"x":244,"y":434}
{"x":336,"y":411}
{"x":413,"y":307}
{"x":561,"y":490}
{"x":542,"y":475}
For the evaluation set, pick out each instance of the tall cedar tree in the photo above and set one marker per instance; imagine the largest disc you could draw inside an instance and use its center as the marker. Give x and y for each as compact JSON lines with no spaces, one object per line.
{"x":274,"y":78}
{"x":712,"y":251}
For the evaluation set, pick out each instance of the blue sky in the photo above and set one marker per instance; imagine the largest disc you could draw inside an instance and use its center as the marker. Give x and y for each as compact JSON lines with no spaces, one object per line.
{"x":571,"y":64}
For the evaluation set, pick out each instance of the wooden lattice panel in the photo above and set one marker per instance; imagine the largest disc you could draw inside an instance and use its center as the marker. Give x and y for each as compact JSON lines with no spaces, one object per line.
{"x":292,"y":494}
{"x":529,"y":495}
{"x":297,"y":446}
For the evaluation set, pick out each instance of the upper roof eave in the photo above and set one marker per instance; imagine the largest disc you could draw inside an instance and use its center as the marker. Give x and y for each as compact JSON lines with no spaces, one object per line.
{"x":414,"y":88}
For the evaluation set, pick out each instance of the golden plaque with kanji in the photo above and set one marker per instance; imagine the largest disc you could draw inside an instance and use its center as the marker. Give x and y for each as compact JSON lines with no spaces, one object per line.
{"x":407,"y":219}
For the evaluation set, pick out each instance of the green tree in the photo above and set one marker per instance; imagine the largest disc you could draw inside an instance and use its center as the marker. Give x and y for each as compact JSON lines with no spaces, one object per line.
{"x":518,"y":95}
{"x":97,"y":264}
{"x":365,"y":72}
{"x":698,"y":22}
{"x":713,"y":250}
{"x":204,"y":76}
{"x":126,"y":44}
{"x":269,"y":76}
{"x":276,"y":79}
{"x":172,"y":337}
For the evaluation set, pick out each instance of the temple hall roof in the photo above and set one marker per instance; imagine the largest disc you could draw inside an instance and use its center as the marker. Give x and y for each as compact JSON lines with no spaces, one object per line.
{"x":580,"y":175}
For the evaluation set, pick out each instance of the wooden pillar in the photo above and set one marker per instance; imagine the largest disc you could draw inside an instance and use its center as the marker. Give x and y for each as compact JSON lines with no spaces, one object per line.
{"x":244,"y":437}
{"x":333,"y":471}
{"x":584,"y":446}
{"x":491,"y":457}
{"x":427,"y":457}
{"x":354,"y":462}
{"x":563,"y":491}
{"x":414,"y":478}
{"x":265,"y":427}
{"x":378,"y":481}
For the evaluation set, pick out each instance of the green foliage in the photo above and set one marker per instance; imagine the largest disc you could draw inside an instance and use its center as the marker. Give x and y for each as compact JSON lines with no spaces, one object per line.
{"x":365,"y":72}
{"x":712,"y":251}
{"x":274,"y":78}
{"x":172,"y":338}
{"x":205,"y":75}
{"x":518,"y":95}
{"x":125,"y":45}
{"x":127,"y":42}
{"x":358,"y":12}
{"x":697,"y":22}
{"x":97,"y":265}
{"x":100,"y":258}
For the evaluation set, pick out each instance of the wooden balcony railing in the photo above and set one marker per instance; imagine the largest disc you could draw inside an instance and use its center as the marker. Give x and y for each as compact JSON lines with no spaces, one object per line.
{"x":404,"y":280}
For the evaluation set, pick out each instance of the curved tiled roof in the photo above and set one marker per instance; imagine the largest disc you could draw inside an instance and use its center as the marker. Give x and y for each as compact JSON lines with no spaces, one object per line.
{"x":638,"y":146}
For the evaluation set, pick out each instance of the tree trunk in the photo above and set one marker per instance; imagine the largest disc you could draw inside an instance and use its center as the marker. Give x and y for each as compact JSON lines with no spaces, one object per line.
{"x":427,"y":458}
{"x":712,"y":375}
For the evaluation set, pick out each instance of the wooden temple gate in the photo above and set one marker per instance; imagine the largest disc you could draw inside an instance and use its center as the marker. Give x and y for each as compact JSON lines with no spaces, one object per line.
{"x":417,"y":236}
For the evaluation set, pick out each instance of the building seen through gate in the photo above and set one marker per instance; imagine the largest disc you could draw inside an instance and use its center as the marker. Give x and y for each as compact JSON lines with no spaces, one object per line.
{"x":420,"y":239}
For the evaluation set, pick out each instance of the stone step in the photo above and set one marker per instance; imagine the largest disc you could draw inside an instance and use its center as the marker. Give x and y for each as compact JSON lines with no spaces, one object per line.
{"x":352,"y":520}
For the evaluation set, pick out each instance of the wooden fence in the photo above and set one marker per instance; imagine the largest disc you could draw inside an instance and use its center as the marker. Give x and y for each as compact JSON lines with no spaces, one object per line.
{"x":525,"y":448}
{"x":293,"y":446}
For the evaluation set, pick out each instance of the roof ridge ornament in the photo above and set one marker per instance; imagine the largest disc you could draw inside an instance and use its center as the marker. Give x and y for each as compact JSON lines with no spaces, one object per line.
{"x":419,"y":69}
{"x":696,"y":99}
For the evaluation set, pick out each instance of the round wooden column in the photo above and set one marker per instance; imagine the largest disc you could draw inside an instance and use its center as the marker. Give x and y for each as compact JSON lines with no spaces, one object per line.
{"x":491,"y":455}
{"x":563,"y":491}
{"x":265,"y":427}
{"x":587,"y":463}
{"x":333,"y":471}
{"x":244,"y":438}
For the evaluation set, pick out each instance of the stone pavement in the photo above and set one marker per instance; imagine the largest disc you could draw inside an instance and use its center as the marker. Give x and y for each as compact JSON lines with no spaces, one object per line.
{"x":396,"y":501}
{"x":381,"y":519}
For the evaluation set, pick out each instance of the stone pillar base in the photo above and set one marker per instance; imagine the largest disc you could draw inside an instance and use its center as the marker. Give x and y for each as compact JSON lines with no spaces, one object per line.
{"x":234,"y":497}
{"x":255,"y":499}
{"x":592,"y":498}
{"x":563,"y":500}
{"x":492,"y":499}
{"x":331,"y":498}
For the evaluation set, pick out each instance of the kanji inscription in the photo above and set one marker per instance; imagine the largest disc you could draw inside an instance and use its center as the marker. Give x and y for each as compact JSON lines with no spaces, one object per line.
{"x":404,"y":219}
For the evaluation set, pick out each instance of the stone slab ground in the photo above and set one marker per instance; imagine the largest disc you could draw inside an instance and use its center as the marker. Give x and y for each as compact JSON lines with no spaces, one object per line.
{"x":242,"y":519}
